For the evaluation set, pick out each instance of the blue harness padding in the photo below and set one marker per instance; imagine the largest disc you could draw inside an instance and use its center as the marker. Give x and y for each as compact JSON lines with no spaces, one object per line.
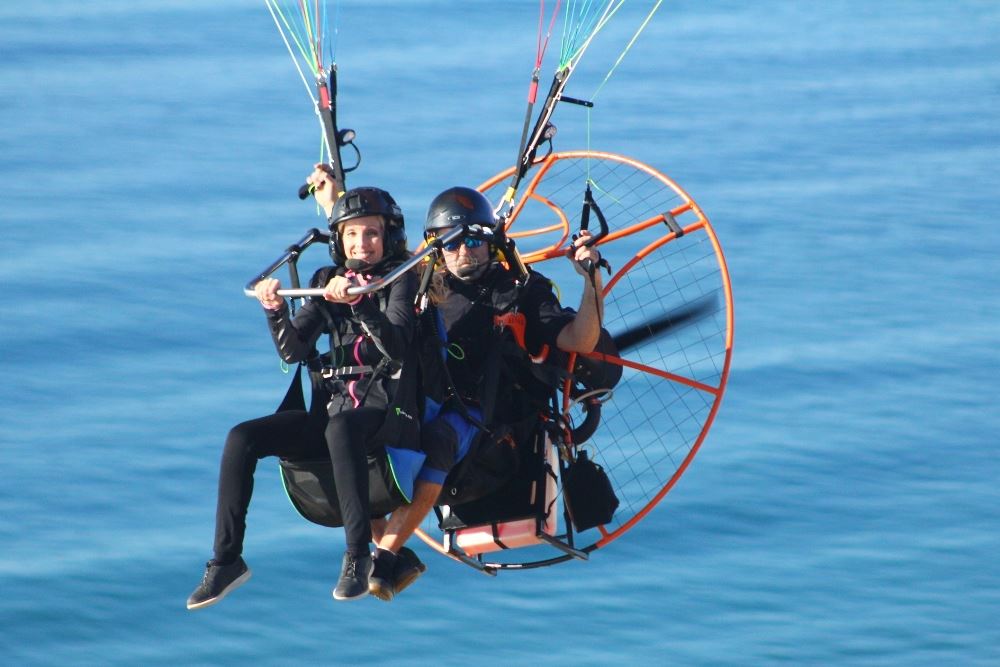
{"x":405,"y":465}
{"x":465,"y":430}
{"x":431,"y":410}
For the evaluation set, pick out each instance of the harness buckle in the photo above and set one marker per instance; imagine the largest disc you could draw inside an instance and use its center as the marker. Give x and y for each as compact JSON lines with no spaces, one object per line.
{"x":345,"y":371}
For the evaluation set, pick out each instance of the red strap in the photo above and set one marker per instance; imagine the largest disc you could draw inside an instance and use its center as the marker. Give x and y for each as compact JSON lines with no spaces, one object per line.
{"x":517,"y":324}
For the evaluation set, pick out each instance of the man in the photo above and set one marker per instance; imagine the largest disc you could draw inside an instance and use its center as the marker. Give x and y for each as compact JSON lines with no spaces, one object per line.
{"x":474,"y":290}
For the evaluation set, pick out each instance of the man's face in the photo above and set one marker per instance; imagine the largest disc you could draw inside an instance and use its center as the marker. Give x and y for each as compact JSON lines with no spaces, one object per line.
{"x":467,"y":259}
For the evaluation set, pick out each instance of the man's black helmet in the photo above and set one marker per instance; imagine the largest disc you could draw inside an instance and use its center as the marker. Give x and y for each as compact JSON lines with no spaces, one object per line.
{"x":458,"y":206}
{"x":362,"y":202}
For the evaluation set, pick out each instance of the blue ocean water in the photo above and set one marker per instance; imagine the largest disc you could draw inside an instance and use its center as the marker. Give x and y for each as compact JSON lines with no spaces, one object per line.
{"x":844,"y":508}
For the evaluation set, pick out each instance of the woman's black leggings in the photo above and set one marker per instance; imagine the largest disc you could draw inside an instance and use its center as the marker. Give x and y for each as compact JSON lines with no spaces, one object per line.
{"x":346,"y":437}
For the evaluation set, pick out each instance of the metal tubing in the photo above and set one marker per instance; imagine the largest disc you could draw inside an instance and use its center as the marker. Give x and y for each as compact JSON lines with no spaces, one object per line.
{"x":291,"y":253}
{"x":373,"y":286}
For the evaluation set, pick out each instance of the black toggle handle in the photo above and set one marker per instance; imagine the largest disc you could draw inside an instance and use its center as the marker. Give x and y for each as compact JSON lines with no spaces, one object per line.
{"x":589,"y":203}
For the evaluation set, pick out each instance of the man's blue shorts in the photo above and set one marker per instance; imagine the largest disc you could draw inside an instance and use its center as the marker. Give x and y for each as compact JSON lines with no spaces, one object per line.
{"x":445,"y":438}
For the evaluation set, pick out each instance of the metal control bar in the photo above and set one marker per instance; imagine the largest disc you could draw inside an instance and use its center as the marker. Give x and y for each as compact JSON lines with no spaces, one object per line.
{"x":314,"y":235}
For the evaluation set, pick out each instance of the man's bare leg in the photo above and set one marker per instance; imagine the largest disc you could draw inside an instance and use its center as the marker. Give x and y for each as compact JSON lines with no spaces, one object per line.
{"x":402,"y":523}
{"x":378,"y":529}
{"x":407,"y":518}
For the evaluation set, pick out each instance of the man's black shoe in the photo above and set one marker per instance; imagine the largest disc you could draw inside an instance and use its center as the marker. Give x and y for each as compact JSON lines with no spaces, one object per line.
{"x":380,"y":584}
{"x":354,"y":575}
{"x":408,"y":568}
{"x":218,"y":581}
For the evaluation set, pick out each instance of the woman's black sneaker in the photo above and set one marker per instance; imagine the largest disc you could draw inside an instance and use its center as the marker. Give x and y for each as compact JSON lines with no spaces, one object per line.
{"x":218,"y":581}
{"x":354,"y":575}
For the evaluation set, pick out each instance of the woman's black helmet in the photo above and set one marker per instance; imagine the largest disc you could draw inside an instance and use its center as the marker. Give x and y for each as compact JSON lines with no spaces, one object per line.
{"x":362,"y":202}
{"x":458,"y":206}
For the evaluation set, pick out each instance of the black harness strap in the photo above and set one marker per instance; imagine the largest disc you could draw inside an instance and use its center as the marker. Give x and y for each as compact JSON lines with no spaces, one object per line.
{"x":346,"y":371}
{"x":333,"y":378}
{"x":453,"y":396}
{"x":376,"y":375}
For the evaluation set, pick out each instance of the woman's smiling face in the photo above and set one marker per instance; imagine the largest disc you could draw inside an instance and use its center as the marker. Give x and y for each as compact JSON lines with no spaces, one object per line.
{"x":364,"y":239}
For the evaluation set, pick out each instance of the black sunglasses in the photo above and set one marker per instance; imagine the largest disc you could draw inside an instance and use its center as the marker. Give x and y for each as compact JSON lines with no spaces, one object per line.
{"x":468,"y":241}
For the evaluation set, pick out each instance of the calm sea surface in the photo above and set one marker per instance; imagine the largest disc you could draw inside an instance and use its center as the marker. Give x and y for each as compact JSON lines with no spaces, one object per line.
{"x":843,"y":510}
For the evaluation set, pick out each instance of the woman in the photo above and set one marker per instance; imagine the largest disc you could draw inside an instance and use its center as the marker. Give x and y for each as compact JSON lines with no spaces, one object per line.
{"x":369,"y":338}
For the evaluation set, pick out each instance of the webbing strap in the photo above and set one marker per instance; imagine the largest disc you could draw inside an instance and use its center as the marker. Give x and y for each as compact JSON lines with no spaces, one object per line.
{"x":345,"y":371}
